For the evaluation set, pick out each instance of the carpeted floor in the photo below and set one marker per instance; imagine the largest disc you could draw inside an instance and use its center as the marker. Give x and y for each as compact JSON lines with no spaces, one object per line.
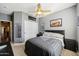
{"x":18,"y":50}
{"x":66,"y":52}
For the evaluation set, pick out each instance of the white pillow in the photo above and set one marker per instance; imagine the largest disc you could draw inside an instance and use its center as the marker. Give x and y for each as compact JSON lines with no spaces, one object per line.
{"x":51,"y":34}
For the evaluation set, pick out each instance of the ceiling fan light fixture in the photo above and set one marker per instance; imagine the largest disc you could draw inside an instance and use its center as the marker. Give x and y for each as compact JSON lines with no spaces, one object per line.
{"x":39,"y":13}
{"x":39,"y":10}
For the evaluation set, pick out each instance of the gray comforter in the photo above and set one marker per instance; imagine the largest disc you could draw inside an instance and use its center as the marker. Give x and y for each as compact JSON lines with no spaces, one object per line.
{"x":53,"y":46}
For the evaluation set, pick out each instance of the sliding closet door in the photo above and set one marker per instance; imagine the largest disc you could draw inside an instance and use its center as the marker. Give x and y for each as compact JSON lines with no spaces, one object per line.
{"x":30,"y":29}
{"x":33,"y":28}
{"x":26,"y":30}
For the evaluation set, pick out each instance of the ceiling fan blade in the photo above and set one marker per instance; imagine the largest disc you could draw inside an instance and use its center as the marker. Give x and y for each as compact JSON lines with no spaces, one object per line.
{"x":46,"y":11}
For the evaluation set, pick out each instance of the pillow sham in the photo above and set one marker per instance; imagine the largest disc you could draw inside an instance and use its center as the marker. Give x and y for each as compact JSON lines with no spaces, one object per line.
{"x":51,"y":34}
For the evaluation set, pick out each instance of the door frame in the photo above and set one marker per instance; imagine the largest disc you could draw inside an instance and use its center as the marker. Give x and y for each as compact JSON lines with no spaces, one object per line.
{"x":10,"y":27}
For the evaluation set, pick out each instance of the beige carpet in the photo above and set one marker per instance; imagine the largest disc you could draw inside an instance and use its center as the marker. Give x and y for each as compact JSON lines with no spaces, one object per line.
{"x":66,"y":52}
{"x":18,"y":50}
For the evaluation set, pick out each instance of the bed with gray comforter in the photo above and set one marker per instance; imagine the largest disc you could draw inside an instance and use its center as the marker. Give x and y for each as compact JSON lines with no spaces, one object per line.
{"x":42,"y":46}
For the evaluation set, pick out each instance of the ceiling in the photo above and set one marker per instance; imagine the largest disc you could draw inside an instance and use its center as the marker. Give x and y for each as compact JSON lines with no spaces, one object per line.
{"x":8,"y":8}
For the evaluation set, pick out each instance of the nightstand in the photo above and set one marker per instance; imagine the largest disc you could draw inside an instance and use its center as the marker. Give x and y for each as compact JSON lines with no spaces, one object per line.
{"x":71,"y":45}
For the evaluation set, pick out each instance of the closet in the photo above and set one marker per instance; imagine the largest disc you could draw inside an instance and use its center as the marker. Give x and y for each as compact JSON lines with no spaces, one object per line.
{"x":24,"y":27}
{"x":30,"y":29}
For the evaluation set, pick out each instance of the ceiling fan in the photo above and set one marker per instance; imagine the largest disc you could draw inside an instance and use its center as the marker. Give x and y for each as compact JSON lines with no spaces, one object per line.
{"x":39,"y":11}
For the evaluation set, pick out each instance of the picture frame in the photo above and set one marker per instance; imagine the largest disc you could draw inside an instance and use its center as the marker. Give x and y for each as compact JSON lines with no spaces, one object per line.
{"x":56,"y":22}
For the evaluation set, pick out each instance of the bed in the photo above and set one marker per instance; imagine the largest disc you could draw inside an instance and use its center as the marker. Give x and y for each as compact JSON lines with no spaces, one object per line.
{"x":44,"y":45}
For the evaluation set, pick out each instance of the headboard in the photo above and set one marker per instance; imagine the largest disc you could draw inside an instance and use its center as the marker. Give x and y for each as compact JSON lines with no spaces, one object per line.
{"x":56,"y":31}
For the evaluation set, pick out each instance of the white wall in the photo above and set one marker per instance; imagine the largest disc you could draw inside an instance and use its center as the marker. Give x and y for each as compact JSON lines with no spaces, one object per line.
{"x":4,"y":16}
{"x":78,"y":24}
{"x":69,"y":20}
{"x":77,"y":9}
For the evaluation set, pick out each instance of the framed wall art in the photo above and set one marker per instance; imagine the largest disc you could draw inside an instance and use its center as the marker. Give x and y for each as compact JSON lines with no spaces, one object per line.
{"x":56,"y":22}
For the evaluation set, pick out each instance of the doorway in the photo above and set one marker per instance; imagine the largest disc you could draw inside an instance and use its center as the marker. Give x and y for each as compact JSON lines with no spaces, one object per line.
{"x":5,"y":31}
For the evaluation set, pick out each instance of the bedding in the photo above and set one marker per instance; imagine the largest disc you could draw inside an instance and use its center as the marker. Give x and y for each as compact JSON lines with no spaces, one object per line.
{"x":51,"y":45}
{"x":46,"y":44}
{"x":54,"y":36}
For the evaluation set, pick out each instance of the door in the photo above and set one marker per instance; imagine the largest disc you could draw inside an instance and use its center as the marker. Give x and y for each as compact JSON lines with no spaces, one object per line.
{"x":30,"y":29}
{"x":5,"y":31}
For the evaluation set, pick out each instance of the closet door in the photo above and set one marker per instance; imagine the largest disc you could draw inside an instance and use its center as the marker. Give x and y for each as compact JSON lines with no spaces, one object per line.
{"x":30,"y":29}
{"x":26,"y":30}
{"x":33,"y":29}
